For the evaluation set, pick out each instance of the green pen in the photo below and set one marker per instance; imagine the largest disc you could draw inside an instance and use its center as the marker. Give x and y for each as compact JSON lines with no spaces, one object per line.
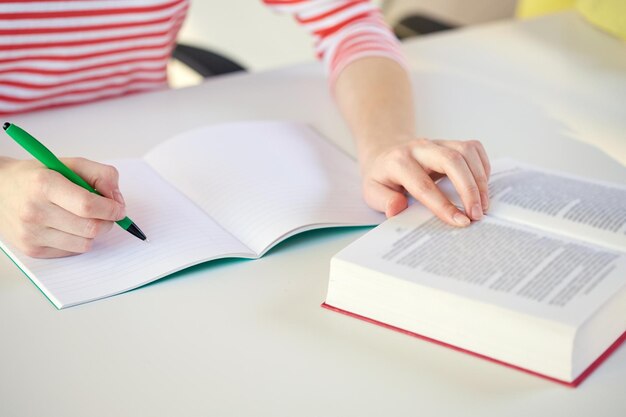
{"x":43,"y":155}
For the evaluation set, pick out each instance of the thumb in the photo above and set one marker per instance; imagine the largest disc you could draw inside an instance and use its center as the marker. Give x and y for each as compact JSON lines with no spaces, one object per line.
{"x":382,"y":198}
{"x":104,"y":178}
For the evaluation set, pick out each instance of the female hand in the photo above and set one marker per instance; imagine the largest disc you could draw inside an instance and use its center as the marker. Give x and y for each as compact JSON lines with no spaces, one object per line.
{"x":46,"y":216}
{"x":376,"y":97}
{"x":413,"y":166}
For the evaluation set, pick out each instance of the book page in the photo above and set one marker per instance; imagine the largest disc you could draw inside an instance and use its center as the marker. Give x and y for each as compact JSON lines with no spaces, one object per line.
{"x":263,"y":181}
{"x":179,"y":233}
{"x":496,"y":262}
{"x":592,"y":211}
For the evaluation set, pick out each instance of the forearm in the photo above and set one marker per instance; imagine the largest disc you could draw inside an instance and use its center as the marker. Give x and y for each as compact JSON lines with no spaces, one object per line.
{"x":362,"y":58}
{"x":360,"y":54}
{"x":374,"y":95}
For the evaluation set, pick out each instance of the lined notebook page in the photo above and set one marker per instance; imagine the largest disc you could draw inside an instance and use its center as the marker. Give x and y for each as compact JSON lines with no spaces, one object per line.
{"x":180,"y":235}
{"x":264,"y":180}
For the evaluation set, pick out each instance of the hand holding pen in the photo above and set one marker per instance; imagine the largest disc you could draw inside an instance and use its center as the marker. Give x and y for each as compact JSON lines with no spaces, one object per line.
{"x":56,"y":211}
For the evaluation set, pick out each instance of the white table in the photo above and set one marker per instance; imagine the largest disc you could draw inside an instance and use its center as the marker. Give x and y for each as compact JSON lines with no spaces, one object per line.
{"x":249,"y":337}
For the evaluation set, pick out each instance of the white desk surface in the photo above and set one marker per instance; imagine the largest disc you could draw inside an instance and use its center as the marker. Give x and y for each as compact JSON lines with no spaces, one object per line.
{"x":249,"y":337}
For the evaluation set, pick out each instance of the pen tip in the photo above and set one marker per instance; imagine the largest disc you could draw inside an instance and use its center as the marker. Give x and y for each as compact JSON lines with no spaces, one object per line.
{"x":6,"y":125}
{"x":136,"y":231}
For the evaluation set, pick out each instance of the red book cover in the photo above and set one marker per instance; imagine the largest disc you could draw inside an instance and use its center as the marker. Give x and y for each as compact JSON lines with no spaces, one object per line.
{"x":572,"y":384}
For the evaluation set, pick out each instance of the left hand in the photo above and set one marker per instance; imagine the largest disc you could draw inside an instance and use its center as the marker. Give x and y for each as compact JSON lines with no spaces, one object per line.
{"x":414,"y":165}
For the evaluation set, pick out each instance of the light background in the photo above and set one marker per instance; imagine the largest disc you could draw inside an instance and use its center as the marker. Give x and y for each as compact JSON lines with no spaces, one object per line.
{"x":248,"y":32}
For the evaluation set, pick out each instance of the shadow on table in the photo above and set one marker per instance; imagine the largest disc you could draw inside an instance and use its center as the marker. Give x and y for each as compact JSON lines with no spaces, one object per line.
{"x":290,"y":244}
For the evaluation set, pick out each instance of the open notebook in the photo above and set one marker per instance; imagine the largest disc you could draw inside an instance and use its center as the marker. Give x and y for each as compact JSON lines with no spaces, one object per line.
{"x":232,"y":190}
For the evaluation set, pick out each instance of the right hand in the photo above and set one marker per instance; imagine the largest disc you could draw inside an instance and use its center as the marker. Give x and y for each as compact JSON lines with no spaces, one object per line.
{"x":47,"y":216}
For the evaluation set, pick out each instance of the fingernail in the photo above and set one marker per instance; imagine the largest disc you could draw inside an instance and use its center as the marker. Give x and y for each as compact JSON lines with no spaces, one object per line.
{"x":485,"y":201}
{"x":460,"y":219}
{"x":117,"y":196}
{"x":477,"y":212}
{"x":122,"y":213}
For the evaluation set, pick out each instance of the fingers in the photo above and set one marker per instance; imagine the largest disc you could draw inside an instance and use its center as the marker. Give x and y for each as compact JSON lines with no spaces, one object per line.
{"x":382,"y":198}
{"x":65,"y":242}
{"x":414,"y":165}
{"x":104,"y":178}
{"x":48,"y":231}
{"x":483,"y":157}
{"x":433,"y":156}
{"x":77,"y":200}
{"x":57,"y":218}
{"x":397,"y":170}
{"x":471,"y":152}
{"x":480,"y":176}
{"x":44,"y":242}
{"x":45,"y":215}
{"x":421,"y":186}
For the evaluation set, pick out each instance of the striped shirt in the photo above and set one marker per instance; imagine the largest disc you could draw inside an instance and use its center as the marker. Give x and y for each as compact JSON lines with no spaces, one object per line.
{"x":60,"y":52}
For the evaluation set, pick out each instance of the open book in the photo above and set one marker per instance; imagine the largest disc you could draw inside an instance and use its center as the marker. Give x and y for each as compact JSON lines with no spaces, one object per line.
{"x":538,"y":284}
{"x":232,"y":190}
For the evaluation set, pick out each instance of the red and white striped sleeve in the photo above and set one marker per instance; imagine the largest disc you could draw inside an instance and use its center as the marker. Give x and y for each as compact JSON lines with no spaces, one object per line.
{"x":59,"y":52}
{"x":344,"y":31}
